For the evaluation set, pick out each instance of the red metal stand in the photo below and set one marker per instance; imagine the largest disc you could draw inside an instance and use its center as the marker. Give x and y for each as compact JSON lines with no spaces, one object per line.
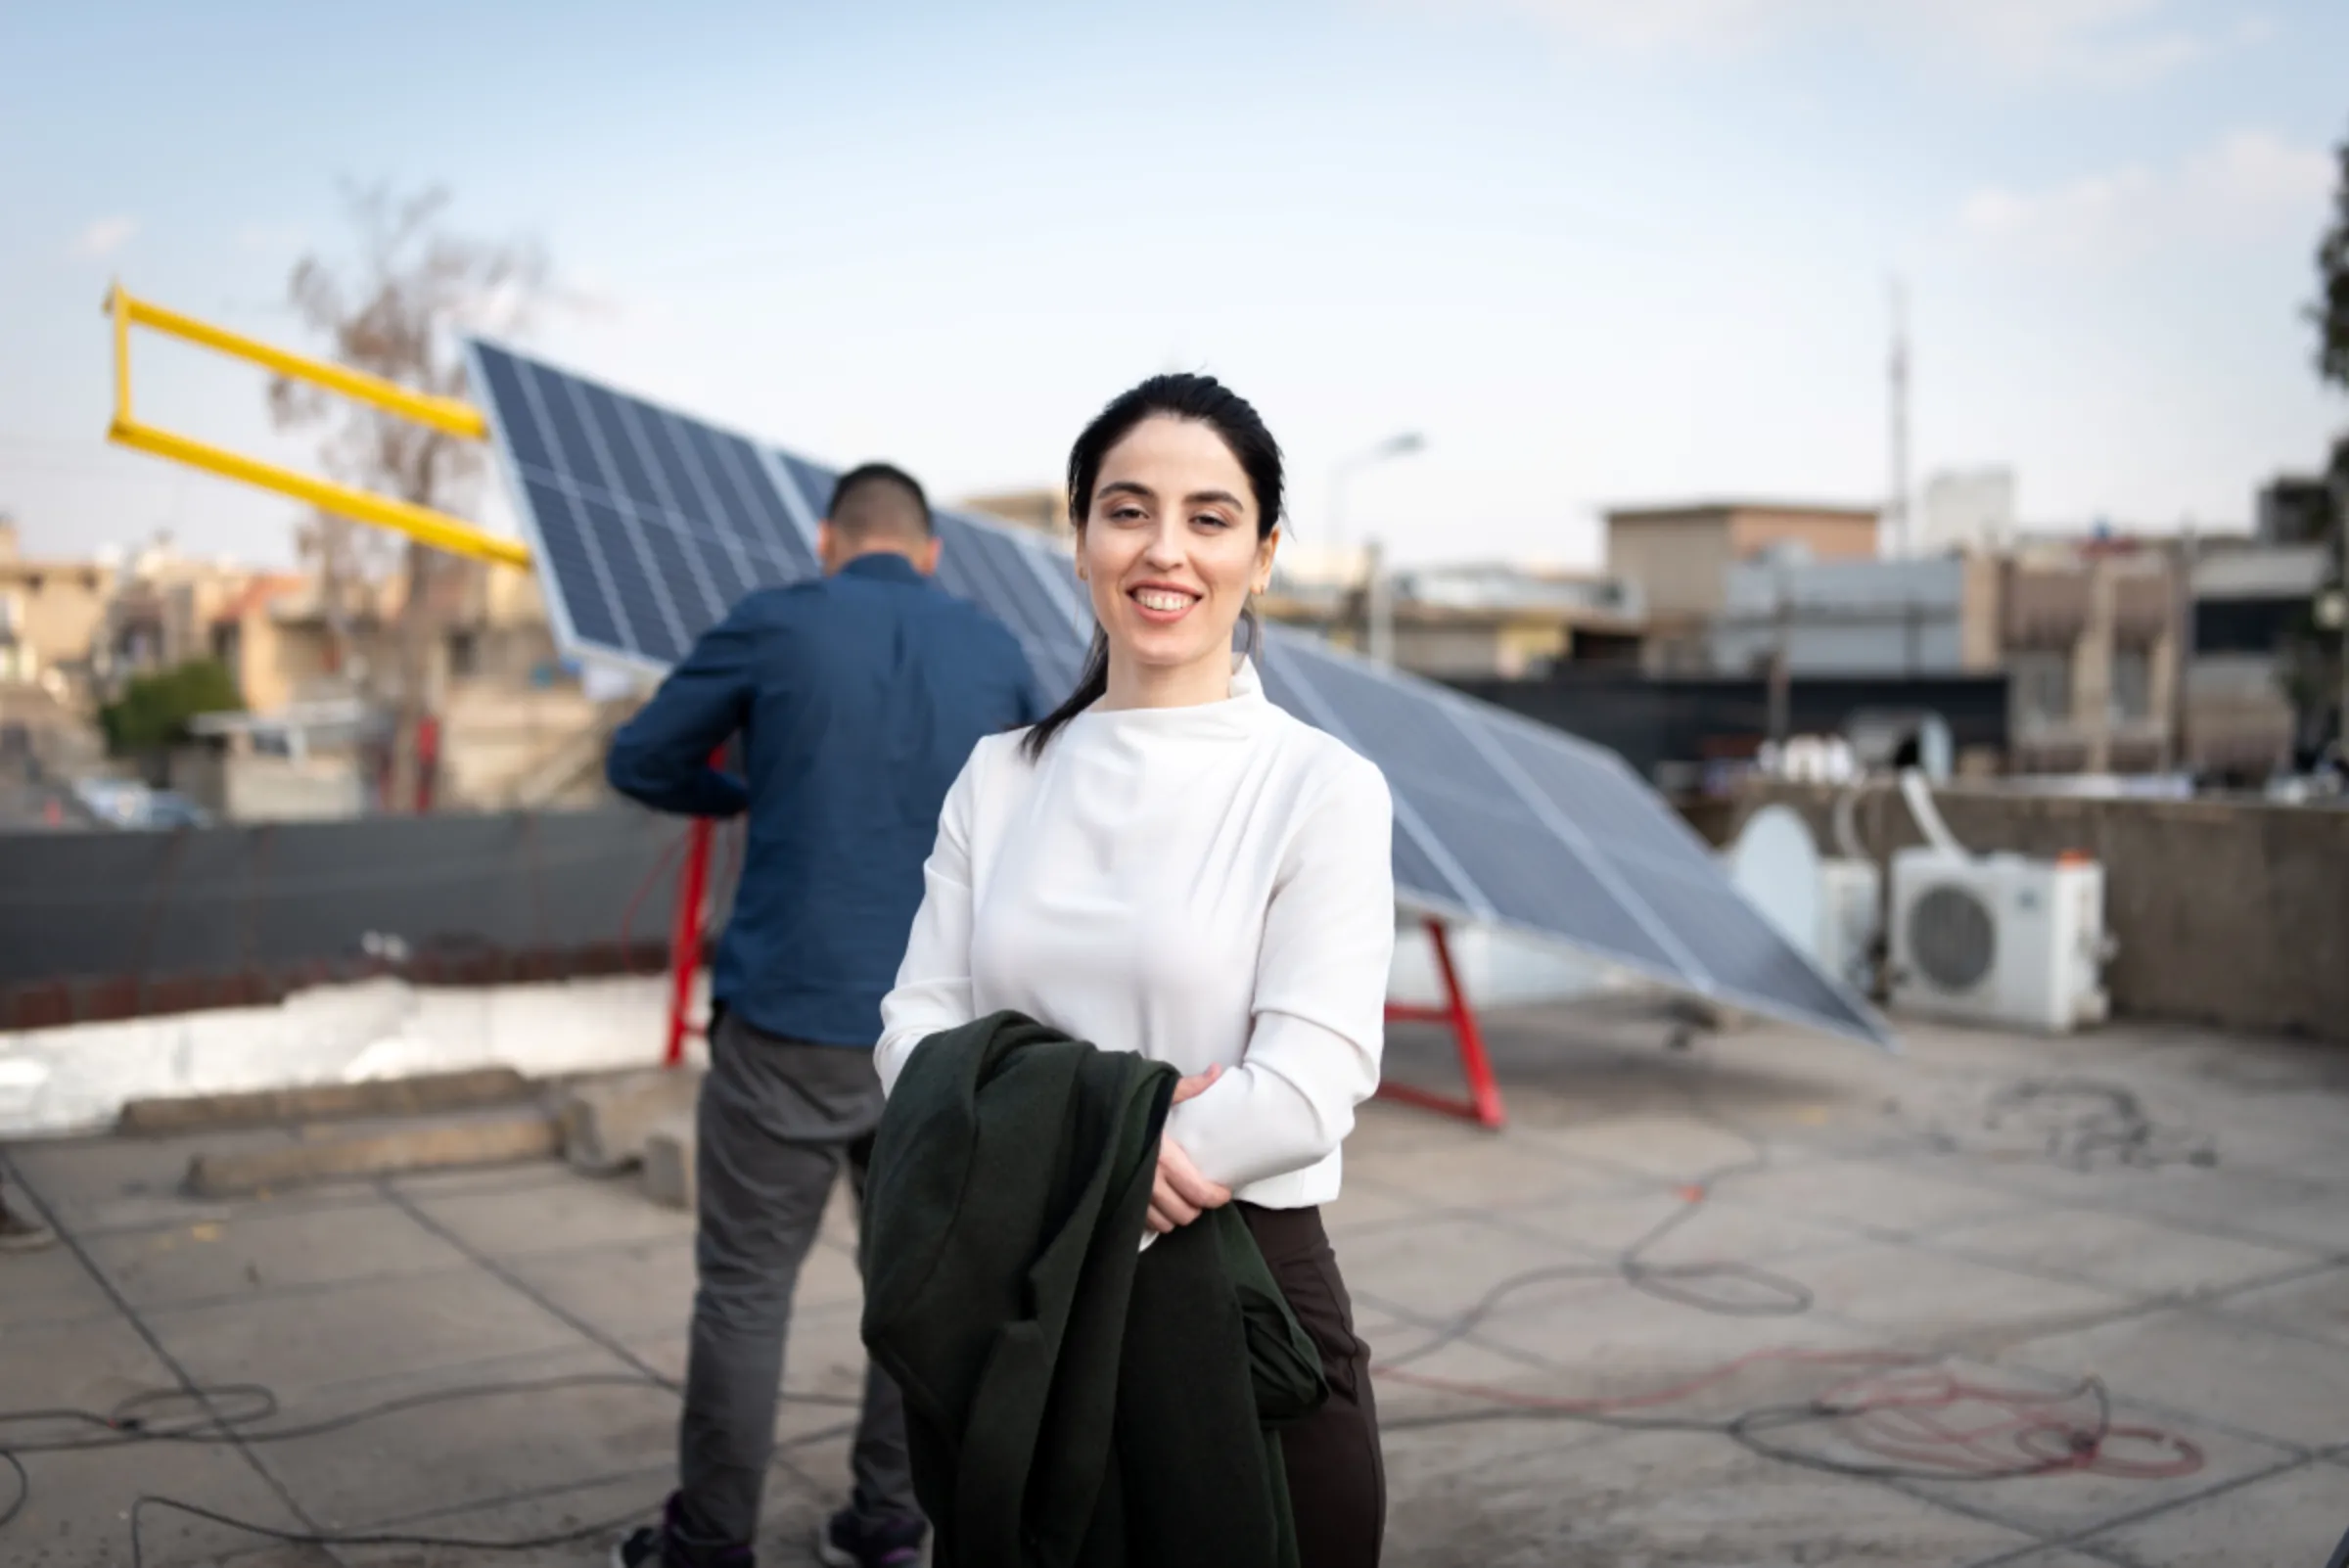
{"x":685,"y":936}
{"x":1483,"y":1102}
{"x":1481,"y":1105}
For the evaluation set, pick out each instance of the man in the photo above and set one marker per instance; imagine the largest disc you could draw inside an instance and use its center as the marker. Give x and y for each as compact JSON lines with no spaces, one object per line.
{"x":857,"y":697}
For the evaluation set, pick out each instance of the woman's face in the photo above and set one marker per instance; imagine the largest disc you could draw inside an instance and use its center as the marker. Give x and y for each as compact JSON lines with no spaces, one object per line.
{"x":1170,"y":550}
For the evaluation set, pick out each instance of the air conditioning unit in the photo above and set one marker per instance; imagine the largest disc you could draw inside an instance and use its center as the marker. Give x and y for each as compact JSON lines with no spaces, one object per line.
{"x":1851,"y":915}
{"x":1829,"y":908}
{"x":1999,"y":939}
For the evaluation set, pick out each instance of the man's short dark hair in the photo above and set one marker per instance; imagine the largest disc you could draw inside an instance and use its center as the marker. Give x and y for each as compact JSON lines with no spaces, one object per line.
{"x":871,"y":497}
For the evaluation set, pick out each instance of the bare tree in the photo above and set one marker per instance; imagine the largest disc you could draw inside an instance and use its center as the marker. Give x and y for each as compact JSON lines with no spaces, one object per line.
{"x":395,"y":307}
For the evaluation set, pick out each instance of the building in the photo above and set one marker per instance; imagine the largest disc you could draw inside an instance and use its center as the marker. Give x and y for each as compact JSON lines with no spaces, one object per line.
{"x":2295,"y":509}
{"x":50,"y":612}
{"x":1968,"y":510}
{"x":1678,"y":558}
{"x":2093,"y":636}
{"x":2249,"y":599}
{"x":1857,"y":618}
{"x":161,"y":610}
{"x":1473,"y":620}
{"x":1044,"y":509}
{"x":2090,"y":633}
{"x":512,"y":725}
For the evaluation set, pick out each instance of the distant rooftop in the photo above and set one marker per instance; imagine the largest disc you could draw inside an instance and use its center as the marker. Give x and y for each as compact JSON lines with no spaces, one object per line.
{"x":1659,"y":512}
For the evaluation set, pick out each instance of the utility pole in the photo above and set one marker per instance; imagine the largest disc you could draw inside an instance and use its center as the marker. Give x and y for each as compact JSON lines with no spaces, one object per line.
{"x":2181,"y":750}
{"x":1380,"y":610}
{"x":2337,"y":603}
{"x":1895,"y":512}
{"x":1780,"y":676}
{"x":1371,"y":586}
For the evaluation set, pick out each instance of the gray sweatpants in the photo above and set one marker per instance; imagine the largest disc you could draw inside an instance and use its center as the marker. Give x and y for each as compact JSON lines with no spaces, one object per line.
{"x":777,"y":1122}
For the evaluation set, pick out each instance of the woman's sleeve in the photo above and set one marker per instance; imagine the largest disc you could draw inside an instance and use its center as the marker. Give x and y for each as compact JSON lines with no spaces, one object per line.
{"x":933,"y":991}
{"x":1319,"y":1021}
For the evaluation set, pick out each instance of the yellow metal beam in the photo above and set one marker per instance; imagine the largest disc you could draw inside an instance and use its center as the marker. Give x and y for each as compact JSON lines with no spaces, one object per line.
{"x":435,"y":528}
{"x":441,"y":413}
{"x":424,"y":525}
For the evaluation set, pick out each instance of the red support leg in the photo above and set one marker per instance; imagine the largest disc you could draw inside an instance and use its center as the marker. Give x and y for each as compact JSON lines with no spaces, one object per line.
{"x":1482,"y":1103}
{"x":685,"y":936}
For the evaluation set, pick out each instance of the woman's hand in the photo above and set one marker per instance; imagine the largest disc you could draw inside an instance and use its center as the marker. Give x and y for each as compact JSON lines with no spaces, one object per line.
{"x":1180,"y":1194}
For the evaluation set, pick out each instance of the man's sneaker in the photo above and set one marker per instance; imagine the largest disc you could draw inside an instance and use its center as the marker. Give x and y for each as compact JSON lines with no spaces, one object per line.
{"x":20,"y":1235}
{"x":658,"y":1547}
{"x":851,"y":1541}
{"x":641,"y":1549}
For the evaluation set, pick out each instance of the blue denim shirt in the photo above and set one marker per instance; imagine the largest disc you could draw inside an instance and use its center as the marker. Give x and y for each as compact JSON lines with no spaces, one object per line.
{"x":857,"y":698}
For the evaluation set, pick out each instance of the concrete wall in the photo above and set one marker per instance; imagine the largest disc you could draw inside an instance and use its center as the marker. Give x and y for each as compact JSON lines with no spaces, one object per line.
{"x":258,"y":788}
{"x":51,"y":611}
{"x":73,"y":1077}
{"x":1829,"y":534}
{"x":2228,"y":913}
{"x":1676,"y":561}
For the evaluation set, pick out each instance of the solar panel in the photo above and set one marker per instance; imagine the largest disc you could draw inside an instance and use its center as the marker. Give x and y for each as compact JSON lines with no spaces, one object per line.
{"x":648,"y":526}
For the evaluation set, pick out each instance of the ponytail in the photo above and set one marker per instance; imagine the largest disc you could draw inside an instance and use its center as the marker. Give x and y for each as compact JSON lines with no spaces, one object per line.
{"x":1092,"y":685}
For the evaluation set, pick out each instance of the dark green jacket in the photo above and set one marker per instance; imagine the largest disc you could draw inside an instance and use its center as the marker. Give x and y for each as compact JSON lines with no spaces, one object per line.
{"x":1071,"y":1399}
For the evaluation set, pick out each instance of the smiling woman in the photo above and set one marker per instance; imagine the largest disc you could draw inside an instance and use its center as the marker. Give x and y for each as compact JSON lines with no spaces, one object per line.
{"x":1176,"y":490}
{"x":1173,"y":865}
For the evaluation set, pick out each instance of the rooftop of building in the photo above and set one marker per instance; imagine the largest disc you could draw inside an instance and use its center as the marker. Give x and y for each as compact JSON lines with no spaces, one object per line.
{"x":1724,"y":506}
{"x":1765,"y":1299}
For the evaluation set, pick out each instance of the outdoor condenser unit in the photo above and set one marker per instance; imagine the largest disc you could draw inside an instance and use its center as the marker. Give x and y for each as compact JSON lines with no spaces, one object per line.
{"x":1999,"y":939}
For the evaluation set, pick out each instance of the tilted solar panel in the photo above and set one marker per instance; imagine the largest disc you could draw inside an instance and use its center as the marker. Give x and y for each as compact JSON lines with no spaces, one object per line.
{"x":648,"y":526}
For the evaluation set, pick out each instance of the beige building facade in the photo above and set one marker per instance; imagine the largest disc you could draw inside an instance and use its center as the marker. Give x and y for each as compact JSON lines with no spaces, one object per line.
{"x":1678,"y":555}
{"x":50,"y":610}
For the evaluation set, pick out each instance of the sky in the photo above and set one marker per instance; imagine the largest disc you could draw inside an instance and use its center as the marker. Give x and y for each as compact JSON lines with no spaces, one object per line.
{"x":1595,"y":252}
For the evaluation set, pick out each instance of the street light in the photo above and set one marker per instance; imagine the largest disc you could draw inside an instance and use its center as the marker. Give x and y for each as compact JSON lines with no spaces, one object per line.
{"x":1378,"y":608}
{"x":1400,"y":445}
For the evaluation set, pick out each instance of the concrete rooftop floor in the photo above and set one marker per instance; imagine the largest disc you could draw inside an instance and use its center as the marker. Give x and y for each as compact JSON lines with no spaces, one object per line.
{"x":1987,"y":1204}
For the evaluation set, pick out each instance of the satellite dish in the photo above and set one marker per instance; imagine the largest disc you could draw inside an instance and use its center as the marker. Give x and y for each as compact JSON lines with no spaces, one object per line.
{"x":1776,"y":864}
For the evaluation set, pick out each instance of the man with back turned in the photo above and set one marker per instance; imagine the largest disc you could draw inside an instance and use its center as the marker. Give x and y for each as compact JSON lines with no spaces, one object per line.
{"x":857,"y":697}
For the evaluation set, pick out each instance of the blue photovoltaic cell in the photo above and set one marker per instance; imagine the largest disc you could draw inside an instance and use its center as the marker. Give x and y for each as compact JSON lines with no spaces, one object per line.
{"x":652,"y":526}
{"x":649,"y":526}
{"x":1526,"y":873}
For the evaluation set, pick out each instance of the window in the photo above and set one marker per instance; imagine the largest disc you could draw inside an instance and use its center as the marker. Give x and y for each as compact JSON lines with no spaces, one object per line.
{"x":2132,"y":685}
{"x":2043,"y":686}
{"x":464,"y":655}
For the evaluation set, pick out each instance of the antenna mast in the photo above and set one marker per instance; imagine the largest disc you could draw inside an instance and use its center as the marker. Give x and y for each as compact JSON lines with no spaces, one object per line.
{"x":1896,"y":511}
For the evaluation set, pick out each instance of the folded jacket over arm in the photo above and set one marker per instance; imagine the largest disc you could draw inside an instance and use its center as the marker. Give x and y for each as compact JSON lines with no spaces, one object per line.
{"x":1071,"y":1399}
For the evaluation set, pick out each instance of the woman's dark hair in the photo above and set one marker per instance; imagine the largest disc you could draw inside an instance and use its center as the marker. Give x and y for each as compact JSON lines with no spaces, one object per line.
{"x":1178,"y":397}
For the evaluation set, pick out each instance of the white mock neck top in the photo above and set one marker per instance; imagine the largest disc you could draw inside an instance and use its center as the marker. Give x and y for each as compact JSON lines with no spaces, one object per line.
{"x":1210,"y":884}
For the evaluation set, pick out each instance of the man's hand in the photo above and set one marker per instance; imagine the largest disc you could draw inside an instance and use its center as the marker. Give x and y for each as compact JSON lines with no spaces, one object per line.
{"x":1180,"y":1194}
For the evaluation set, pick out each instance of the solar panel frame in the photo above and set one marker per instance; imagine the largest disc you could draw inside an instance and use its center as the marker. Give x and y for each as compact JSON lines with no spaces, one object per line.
{"x":726,"y":469}
{"x":1677,"y":964}
{"x":1542,"y":787}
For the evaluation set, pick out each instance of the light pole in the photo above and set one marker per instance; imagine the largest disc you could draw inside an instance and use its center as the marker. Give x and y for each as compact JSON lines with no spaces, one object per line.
{"x":1401,"y":446}
{"x":1377,"y":609}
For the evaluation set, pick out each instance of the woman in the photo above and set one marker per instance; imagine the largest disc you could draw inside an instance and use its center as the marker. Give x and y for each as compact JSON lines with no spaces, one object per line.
{"x":1170,"y":864}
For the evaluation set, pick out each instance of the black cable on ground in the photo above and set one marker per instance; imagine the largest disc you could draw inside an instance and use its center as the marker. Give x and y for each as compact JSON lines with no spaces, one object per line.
{"x":1669,"y":1282}
{"x":1897,"y":1422}
{"x":134,"y":1422}
{"x":1874,"y":1409}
